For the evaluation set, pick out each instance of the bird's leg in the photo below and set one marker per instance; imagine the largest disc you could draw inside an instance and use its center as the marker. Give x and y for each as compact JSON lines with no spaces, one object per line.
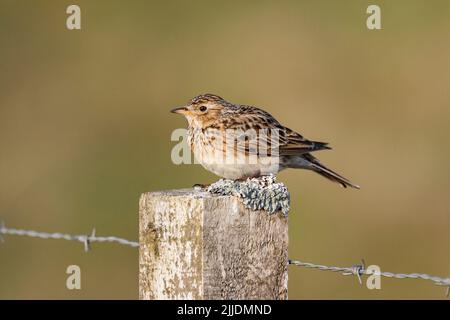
{"x":245,"y":178}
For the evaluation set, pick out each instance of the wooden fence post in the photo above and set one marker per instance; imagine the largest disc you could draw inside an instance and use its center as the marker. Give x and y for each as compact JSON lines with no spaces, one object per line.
{"x":195,"y":245}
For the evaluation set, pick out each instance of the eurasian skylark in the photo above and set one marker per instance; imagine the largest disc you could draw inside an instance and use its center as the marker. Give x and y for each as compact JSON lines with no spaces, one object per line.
{"x":240,"y":141}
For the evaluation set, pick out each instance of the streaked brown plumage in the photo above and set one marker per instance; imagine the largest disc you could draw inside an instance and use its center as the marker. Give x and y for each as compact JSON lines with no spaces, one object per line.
{"x":211,"y":119}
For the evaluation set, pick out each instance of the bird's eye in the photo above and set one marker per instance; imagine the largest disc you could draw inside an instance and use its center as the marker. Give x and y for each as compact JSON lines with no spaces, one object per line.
{"x":203,"y":108}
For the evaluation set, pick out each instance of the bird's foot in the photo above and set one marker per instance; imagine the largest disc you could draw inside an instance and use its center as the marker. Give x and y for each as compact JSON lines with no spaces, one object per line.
{"x":200,"y":186}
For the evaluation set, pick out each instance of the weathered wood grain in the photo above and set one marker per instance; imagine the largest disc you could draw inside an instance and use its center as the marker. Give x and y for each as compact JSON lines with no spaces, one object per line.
{"x":194,"y":245}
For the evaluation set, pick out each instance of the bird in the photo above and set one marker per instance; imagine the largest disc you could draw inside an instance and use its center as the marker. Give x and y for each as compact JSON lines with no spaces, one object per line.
{"x":241,"y":141}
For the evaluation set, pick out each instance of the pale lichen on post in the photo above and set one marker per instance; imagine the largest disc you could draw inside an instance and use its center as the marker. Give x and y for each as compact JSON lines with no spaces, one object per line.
{"x":198,"y":244}
{"x":262,"y":193}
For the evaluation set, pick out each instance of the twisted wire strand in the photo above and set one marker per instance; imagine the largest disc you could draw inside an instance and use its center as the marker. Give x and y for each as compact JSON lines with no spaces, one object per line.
{"x":85,"y":239}
{"x":360,"y":269}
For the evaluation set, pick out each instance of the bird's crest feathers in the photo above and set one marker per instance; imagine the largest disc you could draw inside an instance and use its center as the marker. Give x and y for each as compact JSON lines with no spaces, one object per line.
{"x":207,"y":97}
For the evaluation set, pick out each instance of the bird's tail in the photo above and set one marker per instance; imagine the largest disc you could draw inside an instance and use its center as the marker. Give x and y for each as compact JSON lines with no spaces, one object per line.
{"x":328,"y":173}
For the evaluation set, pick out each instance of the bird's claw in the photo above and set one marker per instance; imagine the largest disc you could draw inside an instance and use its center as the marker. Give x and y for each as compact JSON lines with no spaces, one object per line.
{"x":200,"y":186}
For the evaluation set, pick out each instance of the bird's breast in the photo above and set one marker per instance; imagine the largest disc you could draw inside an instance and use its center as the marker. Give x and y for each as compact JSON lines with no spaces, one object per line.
{"x":219,"y":155}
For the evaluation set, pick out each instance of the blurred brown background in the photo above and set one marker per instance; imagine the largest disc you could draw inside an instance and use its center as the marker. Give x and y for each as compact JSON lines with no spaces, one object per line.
{"x":85,"y":129}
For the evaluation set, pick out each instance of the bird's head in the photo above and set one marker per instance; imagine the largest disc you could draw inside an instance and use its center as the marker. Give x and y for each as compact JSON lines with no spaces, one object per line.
{"x":202,"y":110}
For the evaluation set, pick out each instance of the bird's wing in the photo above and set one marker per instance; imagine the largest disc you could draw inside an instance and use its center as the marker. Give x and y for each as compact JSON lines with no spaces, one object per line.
{"x":293,"y":143}
{"x":257,"y":127}
{"x":255,"y":131}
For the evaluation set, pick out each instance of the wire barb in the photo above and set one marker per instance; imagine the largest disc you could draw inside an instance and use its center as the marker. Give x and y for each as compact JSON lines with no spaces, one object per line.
{"x":357,"y":270}
{"x":87,"y":241}
{"x":447,"y":291}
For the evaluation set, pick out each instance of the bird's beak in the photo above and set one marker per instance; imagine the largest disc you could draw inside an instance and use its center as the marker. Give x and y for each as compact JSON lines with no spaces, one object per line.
{"x":179,"y":110}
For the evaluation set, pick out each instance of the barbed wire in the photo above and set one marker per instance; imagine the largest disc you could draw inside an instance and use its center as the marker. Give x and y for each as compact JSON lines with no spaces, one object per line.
{"x":360,"y":269}
{"x":84,"y":238}
{"x":357,"y":270}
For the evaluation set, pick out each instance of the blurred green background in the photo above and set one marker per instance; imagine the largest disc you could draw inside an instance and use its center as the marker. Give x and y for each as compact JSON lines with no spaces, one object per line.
{"x":85,"y":129}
